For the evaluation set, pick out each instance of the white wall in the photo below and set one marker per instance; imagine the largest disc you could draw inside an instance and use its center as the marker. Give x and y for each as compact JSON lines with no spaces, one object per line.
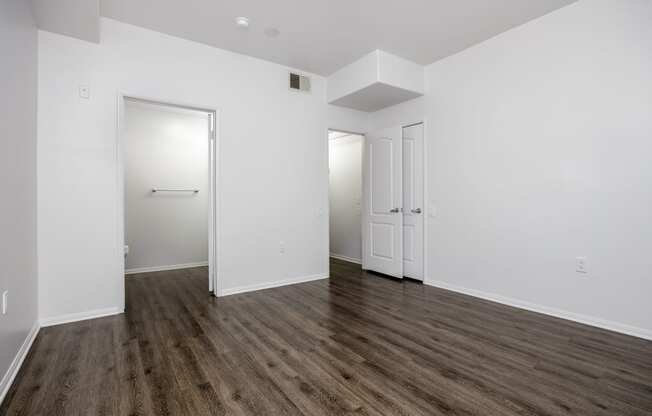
{"x":18,"y":49}
{"x":165,"y":148}
{"x":273,"y":162}
{"x":346,"y":119}
{"x":345,"y":196}
{"x":539,"y":152}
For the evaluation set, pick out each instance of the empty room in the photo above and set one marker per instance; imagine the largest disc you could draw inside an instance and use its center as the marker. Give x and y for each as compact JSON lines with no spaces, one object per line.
{"x":326,"y":207}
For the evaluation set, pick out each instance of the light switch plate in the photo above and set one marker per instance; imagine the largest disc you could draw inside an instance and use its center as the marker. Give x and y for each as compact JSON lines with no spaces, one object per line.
{"x":5,"y":301}
{"x":432,"y":210}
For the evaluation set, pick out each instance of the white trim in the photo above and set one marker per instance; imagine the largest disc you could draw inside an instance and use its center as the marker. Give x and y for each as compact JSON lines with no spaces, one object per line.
{"x":120,"y":187}
{"x":15,"y":365}
{"x":163,"y":268}
{"x":426,"y":199}
{"x":346,"y":258}
{"x":558,"y":313}
{"x":270,"y":285}
{"x":80,"y":316}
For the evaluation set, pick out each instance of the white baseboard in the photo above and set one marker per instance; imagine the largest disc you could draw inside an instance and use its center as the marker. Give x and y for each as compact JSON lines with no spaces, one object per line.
{"x":345,"y":258}
{"x":164,"y":268}
{"x":558,"y":313}
{"x":80,"y":316}
{"x":15,"y":365}
{"x":270,"y":285}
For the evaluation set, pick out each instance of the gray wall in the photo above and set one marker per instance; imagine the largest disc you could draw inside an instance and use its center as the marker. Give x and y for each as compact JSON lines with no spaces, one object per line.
{"x":18,"y":53}
{"x":165,"y":148}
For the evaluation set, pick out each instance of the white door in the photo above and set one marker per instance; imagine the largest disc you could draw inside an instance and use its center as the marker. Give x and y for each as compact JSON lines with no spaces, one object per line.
{"x":382,"y":221}
{"x":413,"y":201}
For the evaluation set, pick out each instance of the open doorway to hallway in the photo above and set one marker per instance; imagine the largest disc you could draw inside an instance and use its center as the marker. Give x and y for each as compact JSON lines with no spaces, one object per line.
{"x":345,"y":152}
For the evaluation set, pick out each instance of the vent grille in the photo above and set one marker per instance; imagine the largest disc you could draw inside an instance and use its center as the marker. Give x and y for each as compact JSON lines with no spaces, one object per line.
{"x":299,"y":82}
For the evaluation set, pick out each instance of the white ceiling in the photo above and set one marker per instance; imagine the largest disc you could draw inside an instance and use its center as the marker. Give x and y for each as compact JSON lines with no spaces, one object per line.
{"x":323,"y":36}
{"x":76,"y":18}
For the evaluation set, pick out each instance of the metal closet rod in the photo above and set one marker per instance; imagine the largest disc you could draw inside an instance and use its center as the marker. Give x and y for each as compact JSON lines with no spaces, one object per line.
{"x":175,"y":190}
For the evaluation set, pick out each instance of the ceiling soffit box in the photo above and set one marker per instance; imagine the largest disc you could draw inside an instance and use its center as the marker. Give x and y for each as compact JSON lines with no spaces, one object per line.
{"x":375,"y":81}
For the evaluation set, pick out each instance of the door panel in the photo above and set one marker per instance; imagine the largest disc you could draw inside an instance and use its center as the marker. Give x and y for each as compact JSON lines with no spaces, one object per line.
{"x":382,"y":222}
{"x":380,"y":160}
{"x":413,"y":201}
{"x":408,"y":242}
{"x":382,"y":240}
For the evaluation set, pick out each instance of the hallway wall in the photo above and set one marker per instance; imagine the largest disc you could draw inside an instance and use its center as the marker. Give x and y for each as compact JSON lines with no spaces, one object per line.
{"x":345,"y":196}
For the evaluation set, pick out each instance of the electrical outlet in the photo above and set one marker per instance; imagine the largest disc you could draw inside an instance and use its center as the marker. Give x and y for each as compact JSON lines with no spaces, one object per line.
{"x":84,"y":91}
{"x":581,"y":265}
{"x":5,"y":301}
{"x":281,"y":248}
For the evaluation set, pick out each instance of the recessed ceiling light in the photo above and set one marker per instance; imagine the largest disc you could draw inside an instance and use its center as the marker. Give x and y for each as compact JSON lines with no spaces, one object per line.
{"x":242,"y":22}
{"x":272,"y":32}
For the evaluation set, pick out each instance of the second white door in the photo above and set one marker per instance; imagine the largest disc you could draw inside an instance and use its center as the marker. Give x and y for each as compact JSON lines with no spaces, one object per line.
{"x":413,"y":210}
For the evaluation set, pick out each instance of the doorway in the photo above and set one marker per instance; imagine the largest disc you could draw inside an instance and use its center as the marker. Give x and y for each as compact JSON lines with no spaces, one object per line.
{"x":345,"y":195}
{"x":393,"y":199}
{"x":168,"y":175}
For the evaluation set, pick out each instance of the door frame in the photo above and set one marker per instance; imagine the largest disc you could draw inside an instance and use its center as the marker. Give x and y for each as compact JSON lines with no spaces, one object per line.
{"x":328,"y":196}
{"x":214,"y":196}
{"x":426,"y":199}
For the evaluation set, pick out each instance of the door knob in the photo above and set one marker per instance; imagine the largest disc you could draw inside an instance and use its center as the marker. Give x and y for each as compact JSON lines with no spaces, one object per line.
{"x":394,"y":210}
{"x":416,"y":211}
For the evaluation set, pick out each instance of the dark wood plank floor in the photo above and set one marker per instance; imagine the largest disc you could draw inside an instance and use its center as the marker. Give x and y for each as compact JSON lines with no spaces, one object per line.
{"x":354,"y":344}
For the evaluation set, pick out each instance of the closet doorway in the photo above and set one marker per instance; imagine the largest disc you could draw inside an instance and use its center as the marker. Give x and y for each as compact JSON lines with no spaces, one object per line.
{"x":168,"y":166}
{"x":393,"y":202}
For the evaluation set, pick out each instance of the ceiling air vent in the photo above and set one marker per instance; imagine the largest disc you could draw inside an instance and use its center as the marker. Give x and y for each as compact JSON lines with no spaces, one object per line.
{"x":299,"y":82}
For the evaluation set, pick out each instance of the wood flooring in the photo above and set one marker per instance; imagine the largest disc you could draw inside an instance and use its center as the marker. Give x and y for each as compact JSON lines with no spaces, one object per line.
{"x":355,"y":344}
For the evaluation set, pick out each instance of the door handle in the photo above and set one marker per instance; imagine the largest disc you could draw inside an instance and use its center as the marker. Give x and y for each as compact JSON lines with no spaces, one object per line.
{"x":416,"y":211}
{"x":394,"y":210}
